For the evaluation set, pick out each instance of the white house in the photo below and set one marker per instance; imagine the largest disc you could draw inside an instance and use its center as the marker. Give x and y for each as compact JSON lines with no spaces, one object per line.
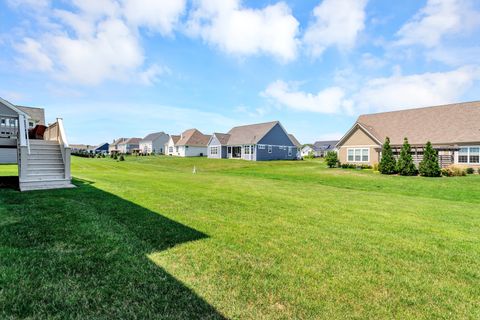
{"x":154,"y":143}
{"x":129,"y":146}
{"x":41,"y":153}
{"x":191,"y":143}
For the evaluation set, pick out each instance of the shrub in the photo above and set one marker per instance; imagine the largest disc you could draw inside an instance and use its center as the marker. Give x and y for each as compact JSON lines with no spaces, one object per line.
{"x":331,"y":159}
{"x":387,"y":163}
{"x":470,"y":171}
{"x":122,"y":158}
{"x":429,"y":166}
{"x":405,"y":164}
{"x":453,"y":171}
{"x":115,"y":157}
{"x":478,"y":171}
{"x":375,"y":167}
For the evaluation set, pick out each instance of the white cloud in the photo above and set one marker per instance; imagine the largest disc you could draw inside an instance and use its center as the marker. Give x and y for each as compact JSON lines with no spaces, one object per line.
{"x":438,"y":19}
{"x":157,"y":15}
{"x":383,"y":94}
{"x":379,"y":94}
{"x":337,"y":23}
{"x":329,"y":100}
{"x":243,"y":31}
{"x":32,"y":4}
{"x":101,"y":44}
{"x":34,"y":56}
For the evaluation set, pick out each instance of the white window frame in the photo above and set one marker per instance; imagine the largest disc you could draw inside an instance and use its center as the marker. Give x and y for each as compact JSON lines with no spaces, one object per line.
{"x":270,"y":149}
{"x":360,"y":150}
{"x":290,"y":151}
{"x":214,"y":150}
{"x":468,"y":155}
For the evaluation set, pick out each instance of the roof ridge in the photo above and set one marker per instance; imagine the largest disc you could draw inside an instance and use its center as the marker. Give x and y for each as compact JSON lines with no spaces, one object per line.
{"x":421,"y":108}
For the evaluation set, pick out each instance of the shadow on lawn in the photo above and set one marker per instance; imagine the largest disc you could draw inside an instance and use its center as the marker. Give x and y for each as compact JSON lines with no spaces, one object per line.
{"x":9,"y":182}
{"x":81,"y":253}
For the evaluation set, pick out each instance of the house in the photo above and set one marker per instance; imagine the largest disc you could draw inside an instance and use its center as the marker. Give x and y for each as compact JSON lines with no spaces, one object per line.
{"x":191,"y":143}
{"x":296,"y":143}
{"x":102,"y":148}
{"x":81,"y":148}
{"x":171,"y":149}
{"x":322,"y":147}
{"x":42,"y":154}
{"x":255,"y":142}
{"x":308,"y":150}
{"x":453,"y":130}
{"x":129,"y":146}
{"x":113,"y":147}
{"x":154,"y":143}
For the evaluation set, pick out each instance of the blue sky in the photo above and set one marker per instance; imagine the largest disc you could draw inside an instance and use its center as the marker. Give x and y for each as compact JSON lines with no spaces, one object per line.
{"x":116,"y":68}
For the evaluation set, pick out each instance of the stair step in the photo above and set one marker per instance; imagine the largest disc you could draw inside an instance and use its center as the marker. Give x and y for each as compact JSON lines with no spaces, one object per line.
{"x":45,"y":170}
{"x":42,"y":142}
{"x":55,"y":157}
{"x":30,"y":185}
{"x":49,"y":164}
{"x":44,"y":152}
{"x":45,"y":147}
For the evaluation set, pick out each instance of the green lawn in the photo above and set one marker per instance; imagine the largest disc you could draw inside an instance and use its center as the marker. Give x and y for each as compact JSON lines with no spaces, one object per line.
{"x":146,"y":238}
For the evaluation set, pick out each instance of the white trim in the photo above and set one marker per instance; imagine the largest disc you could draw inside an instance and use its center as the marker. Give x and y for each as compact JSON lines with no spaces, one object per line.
{"x":361,"y":155}
{"x":362,"y":146}
{"x":357,"y":124}
{"x":468,"y":156}
{"x":14,"y":108}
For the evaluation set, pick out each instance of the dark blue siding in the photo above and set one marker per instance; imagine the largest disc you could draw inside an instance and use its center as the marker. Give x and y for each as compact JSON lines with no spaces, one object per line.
{"x":276,"y":136}
{"x":277,"y":154}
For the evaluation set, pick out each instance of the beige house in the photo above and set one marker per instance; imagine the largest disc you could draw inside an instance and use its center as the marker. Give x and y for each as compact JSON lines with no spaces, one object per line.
{"x":453,"y":130}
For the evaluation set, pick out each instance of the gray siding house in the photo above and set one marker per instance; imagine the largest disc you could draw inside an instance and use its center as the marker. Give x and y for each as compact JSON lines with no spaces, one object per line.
{"x":255,"y":142}
{"x":154,"y":143}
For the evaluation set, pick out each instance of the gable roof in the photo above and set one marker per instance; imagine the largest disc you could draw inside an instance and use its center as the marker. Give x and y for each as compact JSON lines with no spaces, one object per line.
{"x":118,"y":141}
{"x":445,"y":124}
{"x":153,"y":136}
{"x":324,"y":145}
{"x":294,"y":140}
{"x":37,"y":114}
{"x":12,"y":107}
{"x":131,"y":141}
{"x":175,"y":138}
{"x":193,"y":137}
{"x":221,"y":137}
{"x":250,"y":134}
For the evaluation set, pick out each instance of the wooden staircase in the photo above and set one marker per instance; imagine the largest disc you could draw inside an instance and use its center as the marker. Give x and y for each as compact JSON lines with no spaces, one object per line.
{"x":46,"y":168}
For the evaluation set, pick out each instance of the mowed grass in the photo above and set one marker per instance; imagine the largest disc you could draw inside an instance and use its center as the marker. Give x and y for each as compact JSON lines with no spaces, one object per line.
{"x":146,"y":238}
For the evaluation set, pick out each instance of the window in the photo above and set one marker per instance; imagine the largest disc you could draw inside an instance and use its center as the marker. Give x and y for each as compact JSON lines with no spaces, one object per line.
{"x":246,"y":150}
{"x":358,"y":155}
{"x":289,"y":151}
{"x":350,"y":155}
{"x":176,"y":149}
{"x":261,"y":147}
{"x":213,"y":150}
{"x":469,"y":155}
{"x":269,"y":149}
{"x":170,"y":149}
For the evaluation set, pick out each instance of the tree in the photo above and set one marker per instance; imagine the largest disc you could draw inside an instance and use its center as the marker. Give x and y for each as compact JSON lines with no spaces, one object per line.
{"x":429,"y":166}
{"x":332,"y":159}
{"x":388,"y":163}
{"x":405,"y":165}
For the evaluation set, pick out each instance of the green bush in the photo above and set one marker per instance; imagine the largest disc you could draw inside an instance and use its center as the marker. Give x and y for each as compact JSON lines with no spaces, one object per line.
{"x":387,"y":164}
{"x":470,"y":171}
{"x":332,"y":159}
{"x":429,"y":166}
{"x":310,"y":155}
{"x":115,"y":157}
{"x":376,"y":167}
{"x":122,"y":158}
{"x":478,"y":171}
{"x":405,"y":164}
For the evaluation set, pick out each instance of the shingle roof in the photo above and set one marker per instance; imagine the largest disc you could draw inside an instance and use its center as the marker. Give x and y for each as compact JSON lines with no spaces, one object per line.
{"x":222,"y":137}
{"x":324,"y":145}
{"x":294,"y":140}
{"x":453,"y":123}
{"x":152,"y":136}
{"x":118,"y":141}
{"x":37,"y":114}
{"x":131,"y":141}
{"x":250,"y":134}
{"x":193,"y":137}
{"x":175,"y":138}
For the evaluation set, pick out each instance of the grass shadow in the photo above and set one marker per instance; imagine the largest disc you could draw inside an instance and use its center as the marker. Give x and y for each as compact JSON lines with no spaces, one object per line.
{"x":82,"y":253}
{"x":9,"y":182}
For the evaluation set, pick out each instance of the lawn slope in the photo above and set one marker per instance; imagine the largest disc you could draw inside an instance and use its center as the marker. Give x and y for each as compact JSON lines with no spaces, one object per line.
{"x":147,"y":238}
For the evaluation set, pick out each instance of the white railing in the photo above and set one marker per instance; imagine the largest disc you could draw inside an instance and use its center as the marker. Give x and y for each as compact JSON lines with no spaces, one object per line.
{"x":56,"y":132}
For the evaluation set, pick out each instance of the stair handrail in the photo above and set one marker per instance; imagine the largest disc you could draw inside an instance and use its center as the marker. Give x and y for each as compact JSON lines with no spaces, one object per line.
{"x":61,"y":136}
{"x":24,"y":141}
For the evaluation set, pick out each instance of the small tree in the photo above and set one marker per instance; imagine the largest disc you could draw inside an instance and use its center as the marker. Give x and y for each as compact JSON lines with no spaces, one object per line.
{"x":429,"y":166}
{"x":387,"y":163}
{"x":332,"y":159}
{"x":405,"y":165}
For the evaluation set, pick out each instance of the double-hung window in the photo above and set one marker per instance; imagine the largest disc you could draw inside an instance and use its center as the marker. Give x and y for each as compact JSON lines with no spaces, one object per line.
{"x":269,"y":149}
{"x":358,"y":155}
{"x":469,"y":155}
{"x":213,"y":150}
